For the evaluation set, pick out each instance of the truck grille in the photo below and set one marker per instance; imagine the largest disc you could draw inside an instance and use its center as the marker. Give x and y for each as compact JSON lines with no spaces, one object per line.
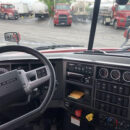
{"x":62,"y":19}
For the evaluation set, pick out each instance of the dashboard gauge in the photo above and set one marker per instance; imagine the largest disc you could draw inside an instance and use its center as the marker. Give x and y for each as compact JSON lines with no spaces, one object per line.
{"x":115,"y":74}
{"x":103,"y":72}
{"x":3,"y":70}
{"x":126,"y":76}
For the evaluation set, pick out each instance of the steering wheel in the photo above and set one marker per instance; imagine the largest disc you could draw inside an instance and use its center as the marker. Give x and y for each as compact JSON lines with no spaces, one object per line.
{"x":16,"y":84}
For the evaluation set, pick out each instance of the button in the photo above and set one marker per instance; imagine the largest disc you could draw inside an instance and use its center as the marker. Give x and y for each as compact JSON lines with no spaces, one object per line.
{"x":98,"y":85}
{"x":108,"y":98}
{"x":78,"y":113}
{"x":126,"y":102}
{"x":102,"y":106}
{"x":114,"y":89}
{"x":104,"y":86}
{"x":120,"y":90}
{"x":89,"y":117}
{"x":119,"y":101}
{"x":126,"y":91}
{"x":114,"y":99}
{"x":109,"y":87}
{"x":103,"y":96}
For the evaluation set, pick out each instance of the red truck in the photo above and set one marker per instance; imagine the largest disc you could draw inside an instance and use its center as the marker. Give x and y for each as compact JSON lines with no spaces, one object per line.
{"x":7,"y":11}
{"x":118,"y":15}
{"x":62,"y":14}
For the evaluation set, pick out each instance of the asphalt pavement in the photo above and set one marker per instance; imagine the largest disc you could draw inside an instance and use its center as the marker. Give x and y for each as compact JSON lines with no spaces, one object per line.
{"x":35,"y":32}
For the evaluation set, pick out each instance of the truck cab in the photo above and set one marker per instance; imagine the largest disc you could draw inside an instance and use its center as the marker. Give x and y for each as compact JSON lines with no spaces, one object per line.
{"x":7,"y":11}
{"x":121,"y":15}
{"x":62,"y":15}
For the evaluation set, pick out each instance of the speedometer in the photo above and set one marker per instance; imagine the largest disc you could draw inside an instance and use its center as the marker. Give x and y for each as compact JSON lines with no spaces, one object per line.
{"x":3,"y":70}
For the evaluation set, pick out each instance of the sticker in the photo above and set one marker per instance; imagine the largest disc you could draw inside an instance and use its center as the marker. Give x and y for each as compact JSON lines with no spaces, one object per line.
{"x":75,"y":121}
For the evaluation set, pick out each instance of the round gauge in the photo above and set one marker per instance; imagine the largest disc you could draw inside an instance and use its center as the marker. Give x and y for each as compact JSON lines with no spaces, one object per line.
{"x":126,"y":76}
{"x":103,"y":72}
{"x":3,"y":70}
{"x":115,"y":74}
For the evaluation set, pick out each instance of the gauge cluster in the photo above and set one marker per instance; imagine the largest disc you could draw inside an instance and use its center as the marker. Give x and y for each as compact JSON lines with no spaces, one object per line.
{"x":113,"y":74}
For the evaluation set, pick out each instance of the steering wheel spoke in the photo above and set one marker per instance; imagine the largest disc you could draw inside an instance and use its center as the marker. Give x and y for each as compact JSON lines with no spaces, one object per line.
{"x":37,"y":77}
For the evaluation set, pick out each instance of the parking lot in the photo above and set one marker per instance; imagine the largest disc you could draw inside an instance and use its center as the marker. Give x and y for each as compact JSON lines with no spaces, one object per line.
{"x":36,"y":32}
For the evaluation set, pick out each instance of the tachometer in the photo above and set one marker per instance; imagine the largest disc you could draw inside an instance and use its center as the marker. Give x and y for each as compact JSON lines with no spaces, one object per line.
{"x":103,"y":72}
{"x":115,"y":74}
{"x":126,"y":76}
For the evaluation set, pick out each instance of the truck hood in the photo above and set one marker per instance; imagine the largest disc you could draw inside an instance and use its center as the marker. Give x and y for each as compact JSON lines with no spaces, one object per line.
{"x":10,"y":10}
{"x":66,"y":12}
{"x":124,"y":13}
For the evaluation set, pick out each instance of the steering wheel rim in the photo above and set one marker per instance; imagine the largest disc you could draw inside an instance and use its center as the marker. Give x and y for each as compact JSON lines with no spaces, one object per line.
{"x":52,"y":81}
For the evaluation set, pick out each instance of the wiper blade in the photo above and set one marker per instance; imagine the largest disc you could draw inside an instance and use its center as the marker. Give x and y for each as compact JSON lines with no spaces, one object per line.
{"x":56,"y":46}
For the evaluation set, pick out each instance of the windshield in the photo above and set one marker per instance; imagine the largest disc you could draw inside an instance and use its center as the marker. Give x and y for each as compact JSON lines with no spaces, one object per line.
{"x":62,"y":7}
{"x":40,"y":25}
{"x":8,"y":6}
{"x":124,"y":7}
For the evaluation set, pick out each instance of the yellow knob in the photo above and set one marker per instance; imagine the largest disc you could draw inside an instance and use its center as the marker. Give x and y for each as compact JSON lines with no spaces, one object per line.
{"x":89,"y":117}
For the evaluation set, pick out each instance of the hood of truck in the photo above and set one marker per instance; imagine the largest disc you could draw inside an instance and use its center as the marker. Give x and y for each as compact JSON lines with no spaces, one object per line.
{"x":124,"y":13}
{"x":11,"y":10}
{"x":62,"y":12}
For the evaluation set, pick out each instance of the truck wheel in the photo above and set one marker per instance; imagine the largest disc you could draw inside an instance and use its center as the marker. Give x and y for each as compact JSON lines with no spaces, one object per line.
{"x":55,"y":25}
{"x":115,"y":25}
{"x":69,"y":25}
{"x":6,"y":16}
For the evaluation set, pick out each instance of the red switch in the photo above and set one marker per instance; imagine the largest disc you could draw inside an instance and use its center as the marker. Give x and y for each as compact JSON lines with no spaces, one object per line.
{"x":78,"y":113}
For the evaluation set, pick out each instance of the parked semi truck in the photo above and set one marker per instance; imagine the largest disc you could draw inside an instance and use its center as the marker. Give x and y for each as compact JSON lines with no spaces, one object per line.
{"x":79,"y":10}
{"x":118,"y":15}
{"x":40,"y":10}
{"x":22,"y":9}
{"x":7,"y":11}
{"x":62,"y":14}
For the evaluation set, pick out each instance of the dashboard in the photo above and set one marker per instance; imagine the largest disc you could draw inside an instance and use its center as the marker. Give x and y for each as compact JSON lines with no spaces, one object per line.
{"x":104,"y":83}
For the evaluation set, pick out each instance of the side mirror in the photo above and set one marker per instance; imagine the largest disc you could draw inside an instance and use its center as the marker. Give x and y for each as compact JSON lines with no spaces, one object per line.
{"x":127,"y":34}
{"x":12,"y":37}
{"x":122,"y":2}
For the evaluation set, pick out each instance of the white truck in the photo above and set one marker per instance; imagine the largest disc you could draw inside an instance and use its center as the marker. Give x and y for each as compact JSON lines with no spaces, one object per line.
{"x":22,"y":9}
{"x":79,"y":10}
{"x":40,"y":10}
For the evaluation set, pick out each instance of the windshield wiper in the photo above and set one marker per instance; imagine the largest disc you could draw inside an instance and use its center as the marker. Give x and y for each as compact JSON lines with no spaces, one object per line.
{"x":56,"y":46}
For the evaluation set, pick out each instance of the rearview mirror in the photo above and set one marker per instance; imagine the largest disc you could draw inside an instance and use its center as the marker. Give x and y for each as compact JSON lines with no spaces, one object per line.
{"x":122,"y":2}
{"x":12,"y":37}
